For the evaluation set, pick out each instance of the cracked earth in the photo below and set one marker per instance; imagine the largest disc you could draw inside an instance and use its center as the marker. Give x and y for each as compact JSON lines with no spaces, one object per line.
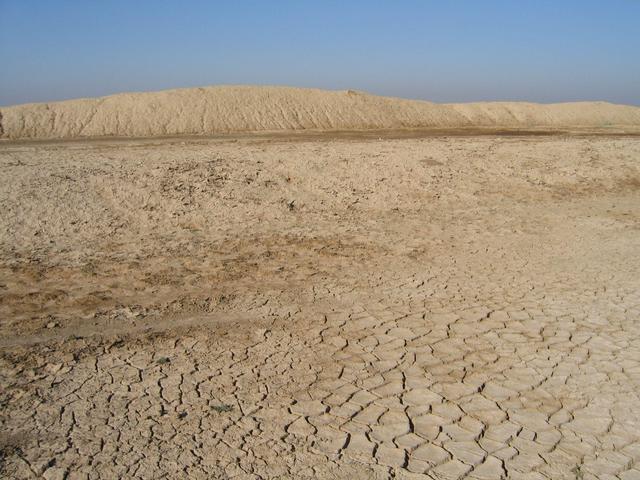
{"x":443,"y":307}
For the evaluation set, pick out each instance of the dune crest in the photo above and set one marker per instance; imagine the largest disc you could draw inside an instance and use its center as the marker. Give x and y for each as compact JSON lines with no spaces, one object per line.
{"x":226,"y":109}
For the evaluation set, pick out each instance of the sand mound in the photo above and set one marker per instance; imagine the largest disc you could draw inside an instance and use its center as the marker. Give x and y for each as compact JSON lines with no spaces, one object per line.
{"x":223,"y":109}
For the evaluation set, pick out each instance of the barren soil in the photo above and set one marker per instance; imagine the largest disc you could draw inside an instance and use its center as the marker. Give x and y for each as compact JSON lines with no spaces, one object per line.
{"x":226,"y":108}
{"x":357,"y":308}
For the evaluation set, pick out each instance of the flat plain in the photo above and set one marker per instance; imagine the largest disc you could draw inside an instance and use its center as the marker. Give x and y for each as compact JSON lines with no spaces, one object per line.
{"x":441,"y":306}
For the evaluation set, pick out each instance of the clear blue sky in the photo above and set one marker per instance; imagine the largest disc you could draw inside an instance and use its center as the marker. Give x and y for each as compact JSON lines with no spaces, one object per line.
{"x":445,"y":51}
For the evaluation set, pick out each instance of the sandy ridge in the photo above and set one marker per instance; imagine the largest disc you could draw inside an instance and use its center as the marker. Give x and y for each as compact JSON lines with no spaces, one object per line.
{"x":224,"y":109}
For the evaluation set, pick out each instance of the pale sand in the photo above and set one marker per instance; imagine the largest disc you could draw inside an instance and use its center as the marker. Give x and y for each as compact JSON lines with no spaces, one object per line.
{"x":223,"y":109}
{"x":255,"y":308}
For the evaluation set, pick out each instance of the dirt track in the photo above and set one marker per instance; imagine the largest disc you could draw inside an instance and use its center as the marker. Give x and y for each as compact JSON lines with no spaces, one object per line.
{"x":356,"y":308}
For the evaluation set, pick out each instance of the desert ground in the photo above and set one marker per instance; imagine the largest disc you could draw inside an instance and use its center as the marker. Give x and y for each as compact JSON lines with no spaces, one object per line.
{"x":257,"y":307}
{"x":274,"y":283}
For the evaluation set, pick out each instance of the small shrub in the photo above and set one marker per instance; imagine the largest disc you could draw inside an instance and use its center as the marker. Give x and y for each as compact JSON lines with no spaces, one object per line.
{"x":223,"y":408}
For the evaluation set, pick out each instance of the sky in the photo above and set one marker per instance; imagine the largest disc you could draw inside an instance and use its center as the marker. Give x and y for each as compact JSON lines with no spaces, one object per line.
{"x":443,"y":51}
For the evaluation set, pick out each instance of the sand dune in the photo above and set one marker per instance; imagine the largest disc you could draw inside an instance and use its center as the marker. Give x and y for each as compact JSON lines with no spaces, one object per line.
{"x":224,"y":109}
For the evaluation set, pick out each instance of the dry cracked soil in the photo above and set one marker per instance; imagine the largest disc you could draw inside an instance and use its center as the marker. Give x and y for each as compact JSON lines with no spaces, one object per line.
{"x":258,"y":308}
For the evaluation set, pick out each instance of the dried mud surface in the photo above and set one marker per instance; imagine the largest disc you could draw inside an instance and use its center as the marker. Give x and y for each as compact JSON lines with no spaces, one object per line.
{"x":445,"y":307}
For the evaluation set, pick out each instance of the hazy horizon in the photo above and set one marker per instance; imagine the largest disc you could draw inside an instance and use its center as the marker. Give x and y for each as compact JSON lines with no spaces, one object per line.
{"x":468,"y":51}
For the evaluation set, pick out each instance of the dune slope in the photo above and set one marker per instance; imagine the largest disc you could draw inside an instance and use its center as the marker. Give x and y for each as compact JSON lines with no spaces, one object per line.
{"x":223,"y":109}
